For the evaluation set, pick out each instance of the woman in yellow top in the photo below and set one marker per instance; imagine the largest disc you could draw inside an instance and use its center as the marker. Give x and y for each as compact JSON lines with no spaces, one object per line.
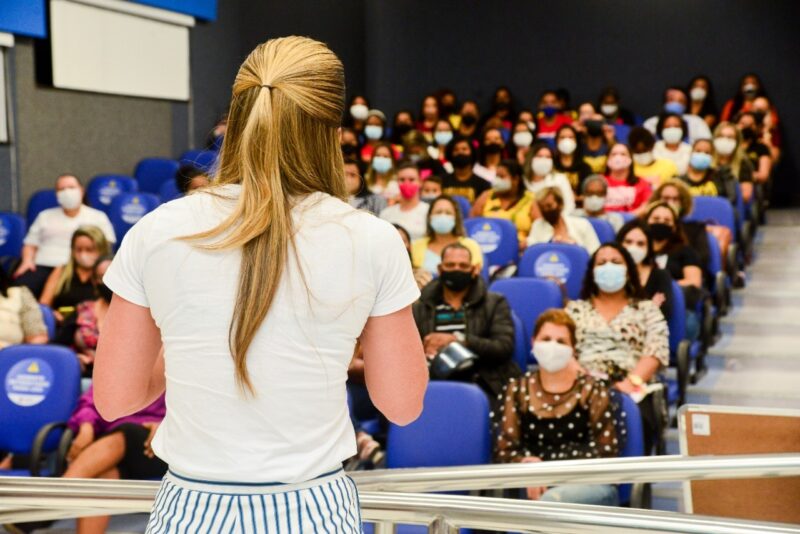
{"x":509,"y":199}
{"x":444,"y":227}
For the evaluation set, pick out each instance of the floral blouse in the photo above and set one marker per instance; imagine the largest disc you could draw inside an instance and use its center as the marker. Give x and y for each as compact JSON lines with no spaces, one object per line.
{"x":638,"y":330}
{"x":582,"y":422}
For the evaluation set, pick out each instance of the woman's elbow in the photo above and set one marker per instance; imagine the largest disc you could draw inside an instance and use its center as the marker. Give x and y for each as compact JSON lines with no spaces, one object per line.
{"x":407,"y":414}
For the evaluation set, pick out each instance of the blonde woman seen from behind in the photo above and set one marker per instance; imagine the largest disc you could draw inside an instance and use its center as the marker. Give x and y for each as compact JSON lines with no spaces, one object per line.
{"x":245,"y":301}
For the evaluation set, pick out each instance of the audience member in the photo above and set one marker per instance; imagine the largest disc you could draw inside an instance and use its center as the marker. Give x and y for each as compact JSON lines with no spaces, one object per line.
{"x":598,"y":137}
{"x":421,"y":276}
{"x":655,"y":281}
{"x":445,"y":226}
{"x":490,"y":154}
{"x":750,"y":88}
{"x":431,"y":189}
{"x":360,"y":197}
{"x":613,"y":113}
{"x":374,"y":133}
{"x":189,"y":178}
{"x":645,"y":165}
{"x":357,"y":113}
{"x":409,"y":212}
{"x":621,"y":335}
{"x":428,"y":116}
{"x":508,"y":199}
{"x":551,"y":116}
{"x":349,"y":142}
{"x":70,"y":284}
{"x":770,"y":133}
{"x":402,"y":124}
{"x":676,"y":102}
{"x":448,"y":107}
{"x":558,"y":413}
{"x":416,"y":150}
{"x":538,"y":174}
{"x":732,"y":157}
{"x":470,"y":114}
{"x":671,"y":129}
{"x":594,"y":191}
{"x":521,"y":140}
{"x":556,"y":227}
{"x":626,"y":191}
{"x":20,"y":316}
{"x":442,"y":136}
{"x":569,"y":157}
{"x":760,"y":156}
{"x":381,"y":178}
{"x":457,"y":307}
{"x":47,"y":244}
{"x":703,"y":179}
{"x":701,"y":97}
{"x":463,"y":181}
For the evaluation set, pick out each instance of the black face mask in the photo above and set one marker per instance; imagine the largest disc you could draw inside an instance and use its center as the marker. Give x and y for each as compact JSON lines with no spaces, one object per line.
{"x":349,"y":150}
{"x":749,"y":134}
{"x":402,"y":129}
{"x":551,"y":216}
{"x":104,"y":292}
{"x":661,"y":231}
{"x":493,"y":148}
{"x":469,"y":120}
{"x":594,"y":128}
{"x":460,"y":161}
{"x":456,"y":280}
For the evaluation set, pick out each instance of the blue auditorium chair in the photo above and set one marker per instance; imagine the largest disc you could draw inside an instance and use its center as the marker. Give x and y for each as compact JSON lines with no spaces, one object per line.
{"x":528,"y":298}
{"x":627,"y":216}
{"x":522,"y":344}
{"x":603,"y":229}
{"x":682,"y":351}
{"x":718,"y":210}
{"x":720,"y":284}
{"x":40,"y":201}
{"x":103,"y":188}
{"x":42,"y":385}
{"x":463,"y":204}
{"x":169,"y":191}
{"x":559,"y":261}
{"x":151,"y":173}
{"x":12,"y":234}
{"x":128,"y":208}
{"x":497,"y":239}
{"x":204,"y":160}
{"x":630,"y":434}
{"x":49,"y":321}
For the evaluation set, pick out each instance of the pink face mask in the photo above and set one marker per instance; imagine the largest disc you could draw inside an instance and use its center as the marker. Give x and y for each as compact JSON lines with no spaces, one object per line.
{"x":409,"y":189}
{"x":619,"y":162}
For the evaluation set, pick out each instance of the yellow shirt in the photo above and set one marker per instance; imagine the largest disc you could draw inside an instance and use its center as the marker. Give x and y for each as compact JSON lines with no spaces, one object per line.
{"x":597,"y":163}
{"x":420,"y":246}
{"x":658,"y":172}
{"x":519,"y":213}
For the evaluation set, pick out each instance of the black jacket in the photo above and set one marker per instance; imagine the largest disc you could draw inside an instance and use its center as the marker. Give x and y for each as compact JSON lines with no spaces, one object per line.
{"x":489,"y":333}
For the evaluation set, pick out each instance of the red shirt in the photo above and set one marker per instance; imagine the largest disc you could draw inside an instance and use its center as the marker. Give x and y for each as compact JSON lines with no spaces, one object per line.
{"x":548,"y":131}
{"x":625,"y":197}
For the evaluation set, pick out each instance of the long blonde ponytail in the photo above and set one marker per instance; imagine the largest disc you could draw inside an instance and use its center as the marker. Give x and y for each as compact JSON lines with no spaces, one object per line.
{"x":281,"y":143}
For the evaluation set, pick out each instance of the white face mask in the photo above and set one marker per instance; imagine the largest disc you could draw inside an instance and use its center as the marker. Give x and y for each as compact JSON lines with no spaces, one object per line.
{"x":373,"y":132}
{"x":523,"y":139}
{"x":698,"y":94}
{"x":644,"y":159}
{"x":672,"y":135}
{"x":69,"y":198}
{"x":541,"y":166}
{"x":567,"y":146}
{"x":637,"y":253}
{"x":594,"y":203}
{"x":609,"y":109}
{"x":724,"y":146}
{"x":552,"y":356}
{"x":359,"y":112}
{"x":501,"y":185}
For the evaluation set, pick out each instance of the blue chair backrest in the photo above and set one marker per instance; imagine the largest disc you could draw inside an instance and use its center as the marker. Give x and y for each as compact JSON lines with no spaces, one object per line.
{"x":169,"y":191}
{"x":40,"y":201}
{"x":714,"y":255}
{"x":128,"y":208}
{"x":522,"y":350}
{"x":677,"y":318}
{"x":463,"y":204}
{"x":621,"y":132}
{"x":49,"y":321}
{"x":452,"y":430}
{"x":217,"y":144}
{"x":12,"y":234}
{"x":560,"y":261}
{"x":633,"y":439}
{"x":42,"y":385}
{"x":627,"y":216}
{"x":603,"y":229}
{"x":528,"y":298}
{"x":717,"y":210}
{"x":497,"y":238}
{"x":741,"y":211}
{"x":103,"y":188}
{"x":204,"y":160}
{"x":151,"y":173}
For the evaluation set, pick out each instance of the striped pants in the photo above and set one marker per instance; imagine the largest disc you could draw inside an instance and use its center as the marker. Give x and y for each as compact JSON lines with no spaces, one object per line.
{"x":326,"y":505}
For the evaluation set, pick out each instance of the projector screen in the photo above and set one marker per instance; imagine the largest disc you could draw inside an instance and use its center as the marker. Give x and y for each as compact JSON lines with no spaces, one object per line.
{"x":107,"y":50}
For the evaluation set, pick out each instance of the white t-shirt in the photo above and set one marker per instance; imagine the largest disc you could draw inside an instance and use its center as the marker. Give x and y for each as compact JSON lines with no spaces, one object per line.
{"x":559,"y":180}
{"x":680,"y":157}
{"x":298,"y":426}
{"x":52,"y":231}
{"x":415,"y":220}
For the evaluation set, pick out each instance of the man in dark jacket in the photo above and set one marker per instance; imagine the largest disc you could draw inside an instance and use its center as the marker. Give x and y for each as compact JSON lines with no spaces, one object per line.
{"x":458,"y":307}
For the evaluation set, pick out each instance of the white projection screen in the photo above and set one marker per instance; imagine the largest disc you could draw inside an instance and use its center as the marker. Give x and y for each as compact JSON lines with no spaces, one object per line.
{"x":104,"y":50}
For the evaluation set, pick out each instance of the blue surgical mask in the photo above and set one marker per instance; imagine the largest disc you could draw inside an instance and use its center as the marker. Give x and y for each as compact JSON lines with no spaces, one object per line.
{"x":610,"y":277}
{"x":443,"y":137}
{"x":700,"y":161}
{"x":443,"y":223}
{"x":549,"y":111}
{"x":674,"y":107}
{"x":373,"y":132}
{"x":382,"y":164}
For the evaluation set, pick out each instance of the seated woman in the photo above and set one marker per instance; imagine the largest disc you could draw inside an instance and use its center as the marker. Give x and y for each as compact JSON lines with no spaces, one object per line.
{"x":674,"y":254}
{"x":444,"y":228}
{"x":381,"y":176}
{"x":703,"y":179}
{"x":656,"y":282}
{"x":539,"y":175}
{"x":71,"y":284}
{"x":594,"y":190}
{"x":118,"y":450}
{"x":558,"y":412}
{"x":81,"y":330}
{"x":421,"y":276}
{"x":730,"y":156}
{"x":508,"y":199}
{"x":359,"y":195}
{"x":622,"y":335}
{"x":556,"y":227}
{"x":626,"y":191}
{"x":20,"y":316}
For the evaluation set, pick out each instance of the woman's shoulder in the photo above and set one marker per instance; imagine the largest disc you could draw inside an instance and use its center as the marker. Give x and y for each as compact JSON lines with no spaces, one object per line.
{"x":578,"y":307}
{"x":645,"y":306}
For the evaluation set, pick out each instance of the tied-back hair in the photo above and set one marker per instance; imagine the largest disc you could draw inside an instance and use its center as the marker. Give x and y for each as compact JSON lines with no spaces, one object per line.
{"x":458,"y":229}
{"x":633,"y":287}
{"x":281,"y":144}
{"x":101,"y":244}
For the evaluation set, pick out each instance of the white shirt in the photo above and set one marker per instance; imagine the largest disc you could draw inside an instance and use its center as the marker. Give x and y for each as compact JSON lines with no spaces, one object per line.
{"x":680,"y":157}
{"x":579,"y":229}
{"x":298,"y":426}
{"x":51,"y":233}
{"x":484,"y":172}
{"x":559,"y":180}
{"x":698,"y":128}
{"x":415,"y":220}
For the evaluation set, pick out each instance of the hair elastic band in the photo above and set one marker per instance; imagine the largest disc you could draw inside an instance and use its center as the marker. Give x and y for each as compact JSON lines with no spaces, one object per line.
{"x":268,"y":86}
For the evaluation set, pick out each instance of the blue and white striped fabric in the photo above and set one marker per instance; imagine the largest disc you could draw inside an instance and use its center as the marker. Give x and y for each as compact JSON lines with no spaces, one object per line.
{"x":326,"y":505}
